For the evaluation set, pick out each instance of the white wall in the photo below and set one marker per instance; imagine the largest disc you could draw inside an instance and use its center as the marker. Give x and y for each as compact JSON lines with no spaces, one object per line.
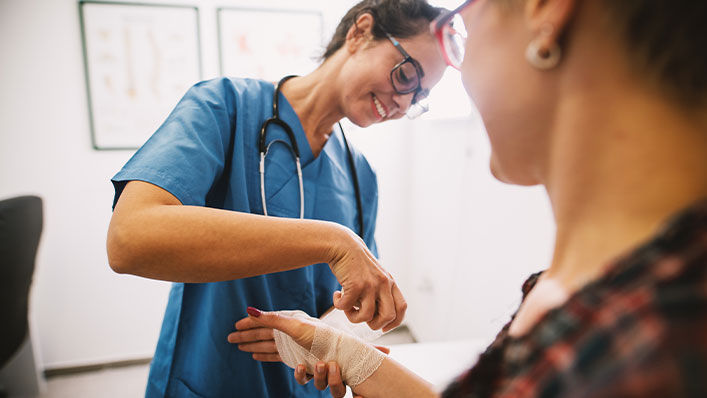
{"x":82,"y":311}
{"x":445,"y":227}
{"x":466,"y":280}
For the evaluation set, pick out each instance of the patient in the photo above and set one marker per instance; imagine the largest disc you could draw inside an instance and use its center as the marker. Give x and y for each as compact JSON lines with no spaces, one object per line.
{"x":604,"y":103}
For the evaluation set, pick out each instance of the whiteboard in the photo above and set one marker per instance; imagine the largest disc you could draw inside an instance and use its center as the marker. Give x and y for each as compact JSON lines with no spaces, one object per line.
{"x":268,"y":43}
{"x":140,"y":60}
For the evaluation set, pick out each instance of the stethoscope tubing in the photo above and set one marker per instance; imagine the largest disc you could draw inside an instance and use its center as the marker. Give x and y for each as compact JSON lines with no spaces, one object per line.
{"x":263,"y":155}
{"x":294,"y":149}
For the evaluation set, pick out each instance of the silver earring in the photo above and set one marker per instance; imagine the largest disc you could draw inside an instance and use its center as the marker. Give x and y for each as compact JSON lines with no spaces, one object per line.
{"x":543,"y":58}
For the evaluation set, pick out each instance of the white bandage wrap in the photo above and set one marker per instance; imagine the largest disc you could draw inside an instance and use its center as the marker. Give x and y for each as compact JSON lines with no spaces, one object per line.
{"x":356,"y":358}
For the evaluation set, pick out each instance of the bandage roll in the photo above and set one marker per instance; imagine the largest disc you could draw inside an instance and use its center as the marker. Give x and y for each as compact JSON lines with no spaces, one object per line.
{"x":356,"y":358}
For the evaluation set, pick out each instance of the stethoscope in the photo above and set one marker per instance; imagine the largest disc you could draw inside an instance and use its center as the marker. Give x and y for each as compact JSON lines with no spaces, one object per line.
{"x":294,"y":150}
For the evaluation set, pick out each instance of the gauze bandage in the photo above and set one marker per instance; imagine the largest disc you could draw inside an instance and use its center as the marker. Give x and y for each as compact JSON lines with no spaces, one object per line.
{"x":356,"y":358}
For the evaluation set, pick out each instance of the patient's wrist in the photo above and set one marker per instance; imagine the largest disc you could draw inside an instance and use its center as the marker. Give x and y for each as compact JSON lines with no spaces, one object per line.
{"x":357,"y":359}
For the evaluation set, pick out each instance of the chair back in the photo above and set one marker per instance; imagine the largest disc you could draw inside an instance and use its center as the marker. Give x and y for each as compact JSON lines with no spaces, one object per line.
{"x":20,"y":229}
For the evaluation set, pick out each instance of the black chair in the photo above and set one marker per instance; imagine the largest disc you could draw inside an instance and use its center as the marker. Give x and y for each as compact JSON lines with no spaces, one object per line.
{"x":20,"y":229}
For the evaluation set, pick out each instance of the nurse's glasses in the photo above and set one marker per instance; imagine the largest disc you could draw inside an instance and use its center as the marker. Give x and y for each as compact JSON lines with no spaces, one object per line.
{"x":406,"y":77}
{"x":450,"y":32}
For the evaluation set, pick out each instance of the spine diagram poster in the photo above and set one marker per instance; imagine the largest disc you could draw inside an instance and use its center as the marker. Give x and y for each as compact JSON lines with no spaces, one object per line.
{"x":140,"y":60}
{"x":269,"y":44}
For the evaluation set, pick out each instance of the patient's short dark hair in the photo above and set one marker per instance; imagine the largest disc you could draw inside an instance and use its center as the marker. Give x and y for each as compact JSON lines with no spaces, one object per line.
{"x":667,"y":39}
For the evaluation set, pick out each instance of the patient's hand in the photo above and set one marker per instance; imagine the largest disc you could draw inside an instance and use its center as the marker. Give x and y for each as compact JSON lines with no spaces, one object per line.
{"x":317,"y":341}
{"x":256,"y":339}
{"x":259,"y":340}
{"x":325,"y":375}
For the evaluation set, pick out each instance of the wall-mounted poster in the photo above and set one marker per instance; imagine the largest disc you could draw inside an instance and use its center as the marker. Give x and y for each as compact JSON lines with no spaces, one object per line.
{"x":140,"y":60}
{"x":269,"y":44}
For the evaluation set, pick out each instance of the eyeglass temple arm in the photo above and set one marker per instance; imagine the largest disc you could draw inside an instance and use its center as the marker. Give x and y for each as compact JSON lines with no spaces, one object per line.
{"x":397,"y":45}
{"x":405,"y":54}
{"x":445,"y":18}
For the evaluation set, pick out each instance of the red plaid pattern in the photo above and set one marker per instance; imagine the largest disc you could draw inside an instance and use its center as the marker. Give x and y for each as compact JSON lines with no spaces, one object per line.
{"x":638,"y":331}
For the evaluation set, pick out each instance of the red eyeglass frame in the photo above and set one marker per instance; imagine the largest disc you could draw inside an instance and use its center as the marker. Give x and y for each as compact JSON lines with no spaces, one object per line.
{"x":437,"y":27}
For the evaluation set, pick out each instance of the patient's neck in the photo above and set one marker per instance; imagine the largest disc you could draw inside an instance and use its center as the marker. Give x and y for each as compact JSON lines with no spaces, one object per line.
{"x":616,"y":173}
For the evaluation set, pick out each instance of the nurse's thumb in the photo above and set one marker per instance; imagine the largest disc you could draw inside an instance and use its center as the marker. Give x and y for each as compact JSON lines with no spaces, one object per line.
{"x":272,"y":320}
{"x":344,"y":301}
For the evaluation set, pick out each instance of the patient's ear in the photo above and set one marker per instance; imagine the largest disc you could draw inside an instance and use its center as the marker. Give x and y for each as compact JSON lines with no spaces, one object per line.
{"x":549,"y":18}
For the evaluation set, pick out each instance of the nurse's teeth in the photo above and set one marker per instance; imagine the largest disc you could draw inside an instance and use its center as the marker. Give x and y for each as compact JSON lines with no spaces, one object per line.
{"x":379,"y":107}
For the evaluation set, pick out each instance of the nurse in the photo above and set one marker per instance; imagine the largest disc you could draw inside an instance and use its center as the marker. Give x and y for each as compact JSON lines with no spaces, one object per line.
{"x":190,"y":205}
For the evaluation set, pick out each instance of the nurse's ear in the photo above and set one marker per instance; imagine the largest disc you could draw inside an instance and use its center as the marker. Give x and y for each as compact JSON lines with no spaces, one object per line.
{"x":360,"y":35}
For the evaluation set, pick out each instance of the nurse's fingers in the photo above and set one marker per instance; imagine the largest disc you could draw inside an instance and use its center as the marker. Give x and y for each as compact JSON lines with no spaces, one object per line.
{"x":251,"y":335}
{"x":320,"y":376}
{"x":336,"y":385}
{"x":345,"y":301}
{"x":263,"y":347}
{"x":365,"y":313}
{"x":401,"y":307}
{"x":386,"y":311}
{"x":267,"y":357}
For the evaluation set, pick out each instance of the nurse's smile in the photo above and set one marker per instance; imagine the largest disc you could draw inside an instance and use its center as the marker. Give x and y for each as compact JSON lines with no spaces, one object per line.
{"x":379,"y":108}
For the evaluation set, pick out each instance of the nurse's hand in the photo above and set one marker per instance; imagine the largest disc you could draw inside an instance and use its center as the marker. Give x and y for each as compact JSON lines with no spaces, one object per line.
{"x":253,"y":338}
{"x":368,"y":292}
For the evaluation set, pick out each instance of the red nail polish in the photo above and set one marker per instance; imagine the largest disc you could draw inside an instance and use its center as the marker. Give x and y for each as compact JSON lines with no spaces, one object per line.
{"x":253,"y":312}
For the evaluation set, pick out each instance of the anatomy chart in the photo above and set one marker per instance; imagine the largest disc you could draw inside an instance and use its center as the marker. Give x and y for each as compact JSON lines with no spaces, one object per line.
{"x":268,"y":44}
{"x":140,"y":60}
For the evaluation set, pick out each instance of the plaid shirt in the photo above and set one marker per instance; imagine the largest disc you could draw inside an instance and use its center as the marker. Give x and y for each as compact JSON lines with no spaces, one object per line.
{"x":638,"y":331}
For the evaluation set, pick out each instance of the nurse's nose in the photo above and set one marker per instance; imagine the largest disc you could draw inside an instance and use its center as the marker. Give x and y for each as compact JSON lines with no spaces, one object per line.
{"x":403,"y":101}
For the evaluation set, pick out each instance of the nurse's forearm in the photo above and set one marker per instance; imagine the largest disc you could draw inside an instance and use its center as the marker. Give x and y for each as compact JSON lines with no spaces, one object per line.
{"x":198,"y":244}
{"x":392,"y":379}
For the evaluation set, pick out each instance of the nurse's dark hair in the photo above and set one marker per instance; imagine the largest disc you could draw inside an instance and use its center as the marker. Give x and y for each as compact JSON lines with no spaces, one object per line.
{"x":399,"y":18}
{"x":665,"y":40}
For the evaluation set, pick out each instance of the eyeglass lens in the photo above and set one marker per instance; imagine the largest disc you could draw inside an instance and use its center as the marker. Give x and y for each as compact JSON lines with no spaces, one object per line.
{"x":405,"y":78}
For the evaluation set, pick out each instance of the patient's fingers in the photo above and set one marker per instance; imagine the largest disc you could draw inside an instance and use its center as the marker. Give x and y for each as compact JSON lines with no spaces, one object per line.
{"x":250,"y":335}
{"x":301,"y":375}
{"x":267,"y":357}
{"x":320,"y":376}
{"x":265,"y":347}
{"x":246,"y":323}
{"x":302,"y":332}
{"x":336,"y":385}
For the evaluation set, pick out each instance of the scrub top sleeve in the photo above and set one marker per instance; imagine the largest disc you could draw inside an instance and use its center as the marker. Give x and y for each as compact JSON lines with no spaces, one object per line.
{"x":186,"y":155}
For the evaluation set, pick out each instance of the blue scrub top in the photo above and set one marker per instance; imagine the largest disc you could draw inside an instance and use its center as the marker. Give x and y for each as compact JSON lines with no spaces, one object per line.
{"x":186,"y":157}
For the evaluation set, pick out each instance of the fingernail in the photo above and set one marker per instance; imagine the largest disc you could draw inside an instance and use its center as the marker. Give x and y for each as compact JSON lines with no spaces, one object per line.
{"x":252,"y":311}
{"x":332,"y":368}
{"x":320,"y":368}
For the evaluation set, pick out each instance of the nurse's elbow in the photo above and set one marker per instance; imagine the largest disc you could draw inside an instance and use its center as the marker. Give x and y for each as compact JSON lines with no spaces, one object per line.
{"x":121,"y":256}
